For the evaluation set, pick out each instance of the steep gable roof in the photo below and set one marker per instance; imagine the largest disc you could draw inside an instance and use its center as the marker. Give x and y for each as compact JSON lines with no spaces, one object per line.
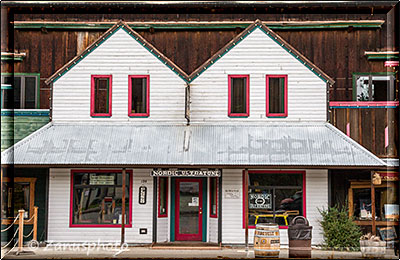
{"x":119,"y":25}
{"x":275,"y":37}
{"x":188,"y":78}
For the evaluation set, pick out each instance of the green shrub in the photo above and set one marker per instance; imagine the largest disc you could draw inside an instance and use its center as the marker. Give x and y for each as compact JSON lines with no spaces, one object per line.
{"x":340,"y":232}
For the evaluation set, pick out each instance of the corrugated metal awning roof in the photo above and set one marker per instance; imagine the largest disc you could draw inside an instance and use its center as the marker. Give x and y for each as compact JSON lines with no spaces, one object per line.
{"x":317,"y":145}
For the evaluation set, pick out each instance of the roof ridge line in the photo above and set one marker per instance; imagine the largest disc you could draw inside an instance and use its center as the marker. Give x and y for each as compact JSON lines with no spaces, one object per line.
{"x":119,"y":25}
{"x":258,"y":23}
{"x":26,"y":138}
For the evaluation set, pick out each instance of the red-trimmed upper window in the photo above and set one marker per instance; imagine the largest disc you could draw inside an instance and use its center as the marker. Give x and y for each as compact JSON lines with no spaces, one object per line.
{"x":163,"y":197}
{"x":275,"y":196}
{"x":277,"y":96}
{"x":96,"y":198}
{"x":213,"y":197}
{"x":100,"y":103}
{"x":139,"y":89}
{"x":238,"y":95}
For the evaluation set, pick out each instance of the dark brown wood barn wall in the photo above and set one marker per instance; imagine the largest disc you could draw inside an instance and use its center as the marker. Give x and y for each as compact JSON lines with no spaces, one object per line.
{"x":338,"y":52}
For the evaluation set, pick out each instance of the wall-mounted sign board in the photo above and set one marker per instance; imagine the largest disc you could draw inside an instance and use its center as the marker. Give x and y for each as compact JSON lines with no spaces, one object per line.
{"x":186,"y":173}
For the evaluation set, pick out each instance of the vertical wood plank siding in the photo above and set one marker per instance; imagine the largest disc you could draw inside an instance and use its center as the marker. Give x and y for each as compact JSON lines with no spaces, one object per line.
{"x":119,"y":56}
{"x":257,"y":55}
{"x":232,"y":211}
{"x":369,"y":130}
{"x":59,"y":205}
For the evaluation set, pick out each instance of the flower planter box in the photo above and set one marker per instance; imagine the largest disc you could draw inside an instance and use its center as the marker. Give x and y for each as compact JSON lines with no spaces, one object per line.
{"x":373,"y":249}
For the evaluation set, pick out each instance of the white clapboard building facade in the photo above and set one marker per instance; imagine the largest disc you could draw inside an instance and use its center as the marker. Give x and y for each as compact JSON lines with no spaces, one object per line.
{"x":244,"y":138}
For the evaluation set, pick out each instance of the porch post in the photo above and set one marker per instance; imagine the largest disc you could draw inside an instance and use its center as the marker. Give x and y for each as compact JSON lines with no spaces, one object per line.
{"x":246,"y":208}
{"x":123,"y":206}
{"x":155,"y":209}
{"x":219,"y":203}
{"x":373,"y":205}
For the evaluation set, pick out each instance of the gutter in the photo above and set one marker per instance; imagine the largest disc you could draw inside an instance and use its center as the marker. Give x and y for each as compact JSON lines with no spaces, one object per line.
{"x":201,"y":4}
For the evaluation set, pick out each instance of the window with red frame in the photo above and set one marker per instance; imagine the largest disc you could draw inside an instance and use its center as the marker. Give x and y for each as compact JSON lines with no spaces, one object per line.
{"x":276,"y":96}
{"x":214,"y":197}
{"x":97,"y":198}
{"x":101,"y":95}
{"x":138,"y":95}
{"x":162,"y":197}
{"x":238,"y":92}
{"x":275,"y":197}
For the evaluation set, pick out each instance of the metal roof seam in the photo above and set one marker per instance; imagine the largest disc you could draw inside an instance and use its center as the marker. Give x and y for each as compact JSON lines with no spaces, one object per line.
{"x":354,"y":143}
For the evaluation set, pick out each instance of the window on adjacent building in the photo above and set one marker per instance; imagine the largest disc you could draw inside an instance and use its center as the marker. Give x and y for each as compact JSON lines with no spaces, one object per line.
{"x":276,"y":96}
{"x":19,"y":91}
{"x":374,"y":87}
{"x":238,"y":100}
{"x":163,"y":197}
{"x":138,"y":95}
{"x":213,"y":197}
{"x":97,"y":198}
{"x":19,"y":195}
{"x":275,"y":197}
{"x":101,"y":95}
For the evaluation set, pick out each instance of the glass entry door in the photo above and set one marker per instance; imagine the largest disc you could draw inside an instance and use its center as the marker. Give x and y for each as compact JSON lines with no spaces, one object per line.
{"x":189,"y":210}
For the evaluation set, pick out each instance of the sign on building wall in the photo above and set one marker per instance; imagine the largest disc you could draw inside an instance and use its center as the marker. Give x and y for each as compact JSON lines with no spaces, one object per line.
{"x":260,"y":201}
{"x":231,"y":194}
{"x":142,"y":195}
{"x":186,"y":173}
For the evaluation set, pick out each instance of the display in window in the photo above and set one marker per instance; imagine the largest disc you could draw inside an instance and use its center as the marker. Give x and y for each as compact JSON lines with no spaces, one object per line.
{"x":374,"y":87}
{"x":97,"y":198}
{"x":275,"y":197}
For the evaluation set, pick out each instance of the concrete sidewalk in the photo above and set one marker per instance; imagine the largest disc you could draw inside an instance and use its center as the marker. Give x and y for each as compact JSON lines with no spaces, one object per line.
{"x":54,"y":252}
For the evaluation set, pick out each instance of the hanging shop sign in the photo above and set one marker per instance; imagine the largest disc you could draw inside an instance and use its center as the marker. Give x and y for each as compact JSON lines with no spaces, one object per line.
{"x":260,"y":201}
{"x":142,"y":195}
{"x":186,"y":173}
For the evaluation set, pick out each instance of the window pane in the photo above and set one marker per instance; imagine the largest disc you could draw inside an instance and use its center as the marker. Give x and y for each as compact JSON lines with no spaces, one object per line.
{"x":213,"y":196}
{"x":139,"y":95}
{"x":276,"y":95}
{"x":17,"y":92}
{"x":362,"y":203}
{"x":6,"y":98}
{"x":238,"y":95}
{"x":6,"y":204}
{"x":30,"y":92}
{"x":101,"y":92}
{"x":97,"y":198}
{"x":163,"y":195}
{"x":288,"y":204}
{"x":276,"y":198}
{"x":387,"y":203}
{"x":21,"y":198}
{"x":375,"y":88}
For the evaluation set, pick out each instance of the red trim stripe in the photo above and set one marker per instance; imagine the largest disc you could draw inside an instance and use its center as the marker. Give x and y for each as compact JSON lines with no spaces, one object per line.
{"x":147,"y":77}
{"x":267,"y":172}
{"x":71,"y":213}
{"x":92,"y":95}
{"x":247,"y":113}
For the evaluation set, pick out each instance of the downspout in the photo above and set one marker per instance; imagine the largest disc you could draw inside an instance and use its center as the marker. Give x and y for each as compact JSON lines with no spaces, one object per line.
{"x":51,"y":102}
{"x":327,"y":102}
{"x":187,"y":103}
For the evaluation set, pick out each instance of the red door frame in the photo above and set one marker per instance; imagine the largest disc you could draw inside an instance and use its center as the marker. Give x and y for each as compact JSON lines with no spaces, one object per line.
{"x":189,"y":237}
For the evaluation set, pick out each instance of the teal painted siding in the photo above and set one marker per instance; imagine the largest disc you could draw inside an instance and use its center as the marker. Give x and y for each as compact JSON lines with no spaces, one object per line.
{"x":16,"y":127}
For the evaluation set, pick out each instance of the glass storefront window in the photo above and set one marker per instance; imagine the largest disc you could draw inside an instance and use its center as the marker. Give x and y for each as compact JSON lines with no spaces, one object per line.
{"x":213,"y":197}
{"x":97,"y":198}
{"x":275,"y":197}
